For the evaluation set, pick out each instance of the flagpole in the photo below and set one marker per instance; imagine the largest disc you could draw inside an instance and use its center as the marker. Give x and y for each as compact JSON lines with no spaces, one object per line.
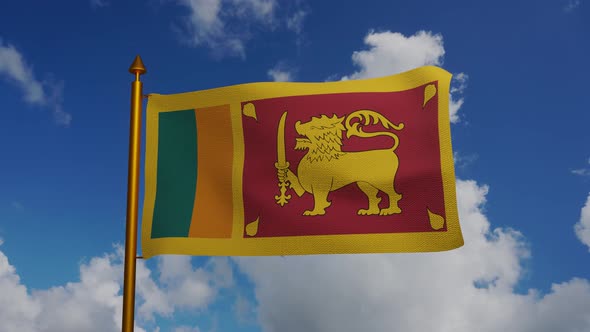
{"x":137,"y":68}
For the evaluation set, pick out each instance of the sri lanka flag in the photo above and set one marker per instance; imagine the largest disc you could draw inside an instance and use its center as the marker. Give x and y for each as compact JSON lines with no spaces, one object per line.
{"x":363,"y":166}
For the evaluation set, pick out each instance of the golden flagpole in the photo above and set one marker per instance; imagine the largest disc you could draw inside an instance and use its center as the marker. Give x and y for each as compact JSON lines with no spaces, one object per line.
{"x":137,"y":68}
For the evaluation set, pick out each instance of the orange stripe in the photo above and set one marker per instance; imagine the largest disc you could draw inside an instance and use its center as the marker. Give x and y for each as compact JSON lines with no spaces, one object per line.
{"x":213,"y":209}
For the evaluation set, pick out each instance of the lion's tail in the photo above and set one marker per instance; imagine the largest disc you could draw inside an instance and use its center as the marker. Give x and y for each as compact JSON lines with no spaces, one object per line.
{"x":366,"y":117}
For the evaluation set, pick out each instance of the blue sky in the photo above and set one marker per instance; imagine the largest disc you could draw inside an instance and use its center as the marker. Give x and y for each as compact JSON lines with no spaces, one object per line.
{"x":519,"y":134}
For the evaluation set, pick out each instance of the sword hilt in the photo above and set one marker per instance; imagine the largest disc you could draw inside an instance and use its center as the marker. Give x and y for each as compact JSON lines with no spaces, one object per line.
{"x":282,"y":166}
{"x":283,"y":198}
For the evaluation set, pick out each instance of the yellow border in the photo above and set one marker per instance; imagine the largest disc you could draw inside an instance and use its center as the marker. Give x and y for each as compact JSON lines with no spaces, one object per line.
{"x":300,"y":245}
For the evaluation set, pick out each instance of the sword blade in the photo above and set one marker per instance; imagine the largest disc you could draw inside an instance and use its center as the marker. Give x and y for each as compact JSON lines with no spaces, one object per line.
{"x":281,"y":158}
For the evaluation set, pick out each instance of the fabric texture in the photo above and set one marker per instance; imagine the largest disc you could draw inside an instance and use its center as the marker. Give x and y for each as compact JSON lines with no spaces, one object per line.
{"x":363,"y":166}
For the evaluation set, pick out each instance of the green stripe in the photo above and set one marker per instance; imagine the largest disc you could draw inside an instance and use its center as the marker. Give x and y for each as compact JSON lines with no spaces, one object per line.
{"x":177,"y":174}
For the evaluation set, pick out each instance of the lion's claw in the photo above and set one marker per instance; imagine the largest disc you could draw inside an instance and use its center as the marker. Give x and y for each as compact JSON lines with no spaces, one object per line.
{"x":390,"y":211}
{"x":367,"y":212}
{"x":314,"y":213}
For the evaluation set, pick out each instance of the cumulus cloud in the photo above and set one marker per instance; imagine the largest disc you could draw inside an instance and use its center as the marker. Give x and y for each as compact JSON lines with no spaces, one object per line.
{"x":18,"y":308}
{"x":468,"y":289}
{"x":391,"y":53}
{"x":14,"y":69}
{"x":187,"y":287}
{"x":582,"y":228}
{"x":94,"y":303}
{"x":88,"y":305}
{"x":222,"y":25}
{"x":472,"y":288}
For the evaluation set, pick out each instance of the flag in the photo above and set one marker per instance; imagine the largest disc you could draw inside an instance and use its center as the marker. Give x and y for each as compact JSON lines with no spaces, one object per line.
{"x":275,"y":168}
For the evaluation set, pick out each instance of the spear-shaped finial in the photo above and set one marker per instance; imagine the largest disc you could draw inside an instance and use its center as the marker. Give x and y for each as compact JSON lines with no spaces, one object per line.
{"x":137,"y":66}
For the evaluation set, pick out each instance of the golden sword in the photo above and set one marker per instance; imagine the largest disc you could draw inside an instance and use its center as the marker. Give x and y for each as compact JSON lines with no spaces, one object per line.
{"x":282,"y":164}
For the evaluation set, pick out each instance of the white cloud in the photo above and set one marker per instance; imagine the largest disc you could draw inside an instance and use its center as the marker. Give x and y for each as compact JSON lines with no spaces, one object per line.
{"x":461,"y":83}
{"x":244,"y":310}
{"x":582,"y":228}
{"x":472,"y":288}
{"x":261,"y":9}
{"x":226,"y":26}
{"x":222,"y":24}
{"x":47,"y":94}
{"x":186,"y":287}
{"x":91,"y":304}
{"x":278,"y":75}
{"x":391,"y":53}
{"x":282,"y":72}
{"x":222,"y":272}
{"x":584,"y":171}
{"x":155,"y":300}
{"x":18,"y":308}
{"x":464,"y":160}
{"x":454,"y":106}
{"x":181,"y":285}
{"x":468,"y":289}
{"x":458,"y":86}
{"x":13,"y":67}
{"x":572,"y":5}
{"x":94,"y":303}
{"x":295,"y":21}
{"x":581,"y":171}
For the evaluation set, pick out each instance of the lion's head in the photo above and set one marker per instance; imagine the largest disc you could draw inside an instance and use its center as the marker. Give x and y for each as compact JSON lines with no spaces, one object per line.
{"x":322,"y":136}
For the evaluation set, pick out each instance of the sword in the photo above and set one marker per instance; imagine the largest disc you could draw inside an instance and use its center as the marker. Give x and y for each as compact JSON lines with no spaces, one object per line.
{"x":282,"y":165}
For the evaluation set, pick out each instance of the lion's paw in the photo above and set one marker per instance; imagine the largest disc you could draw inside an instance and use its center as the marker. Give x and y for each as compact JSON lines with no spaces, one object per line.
{"x":367,"y":212}
{"x":314,"y":213}
{"x":390,"y":211}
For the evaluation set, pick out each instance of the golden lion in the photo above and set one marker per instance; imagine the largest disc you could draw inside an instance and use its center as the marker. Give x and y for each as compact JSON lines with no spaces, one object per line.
{"x":326,"y":167}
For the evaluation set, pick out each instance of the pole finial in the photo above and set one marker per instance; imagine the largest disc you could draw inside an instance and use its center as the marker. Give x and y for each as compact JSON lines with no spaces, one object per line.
{"x":137,"y":66}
